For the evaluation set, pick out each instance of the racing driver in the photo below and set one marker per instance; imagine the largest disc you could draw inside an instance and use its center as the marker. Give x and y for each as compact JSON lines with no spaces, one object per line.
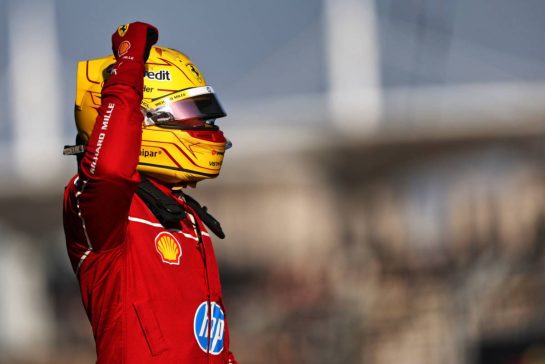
{"x":140,"y":246}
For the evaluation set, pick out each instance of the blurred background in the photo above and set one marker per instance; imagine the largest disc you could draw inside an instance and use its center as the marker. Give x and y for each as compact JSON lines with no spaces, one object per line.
{"x":384,"y":201}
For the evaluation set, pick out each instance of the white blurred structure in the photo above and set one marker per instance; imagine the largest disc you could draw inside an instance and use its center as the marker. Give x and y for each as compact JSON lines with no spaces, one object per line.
{"x":353,"y":64}
{"x":35,"y":79}
{"x":25,"y":314}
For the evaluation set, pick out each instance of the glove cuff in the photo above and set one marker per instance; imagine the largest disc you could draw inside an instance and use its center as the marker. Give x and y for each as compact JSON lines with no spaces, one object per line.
{"x":129,"y":73}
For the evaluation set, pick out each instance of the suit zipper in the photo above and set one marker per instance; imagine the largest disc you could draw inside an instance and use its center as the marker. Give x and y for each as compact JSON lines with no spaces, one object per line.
{"x":208,"y":301}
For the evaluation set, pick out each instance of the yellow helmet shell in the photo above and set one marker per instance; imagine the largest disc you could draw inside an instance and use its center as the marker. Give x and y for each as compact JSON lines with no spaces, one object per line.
{"x":170,"y":154}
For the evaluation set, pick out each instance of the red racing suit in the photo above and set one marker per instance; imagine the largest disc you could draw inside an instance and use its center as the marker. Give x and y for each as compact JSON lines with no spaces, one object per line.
{"x":152,"y":295}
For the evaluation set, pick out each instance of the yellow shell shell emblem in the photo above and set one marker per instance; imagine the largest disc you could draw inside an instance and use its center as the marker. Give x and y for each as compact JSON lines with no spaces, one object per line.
{"x":168,"y":247}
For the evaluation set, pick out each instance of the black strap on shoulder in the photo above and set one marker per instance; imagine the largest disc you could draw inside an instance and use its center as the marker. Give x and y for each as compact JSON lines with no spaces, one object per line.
{"x":169,"y":212}
{"x":166,"y":209}
{"x":209,"y":220}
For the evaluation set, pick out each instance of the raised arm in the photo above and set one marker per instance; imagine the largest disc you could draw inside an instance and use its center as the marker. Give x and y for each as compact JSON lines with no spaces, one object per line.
{"x":107,"y":173}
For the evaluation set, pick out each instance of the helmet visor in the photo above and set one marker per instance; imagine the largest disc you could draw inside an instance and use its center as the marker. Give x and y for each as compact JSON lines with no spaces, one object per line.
{"x":200,"y":106}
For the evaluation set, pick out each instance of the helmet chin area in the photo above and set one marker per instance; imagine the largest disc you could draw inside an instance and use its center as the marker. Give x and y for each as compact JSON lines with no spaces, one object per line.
{"x":177,"y":156}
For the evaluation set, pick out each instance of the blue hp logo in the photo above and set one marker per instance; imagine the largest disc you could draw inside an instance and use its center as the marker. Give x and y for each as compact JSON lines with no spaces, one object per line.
{"x":208,"y":326}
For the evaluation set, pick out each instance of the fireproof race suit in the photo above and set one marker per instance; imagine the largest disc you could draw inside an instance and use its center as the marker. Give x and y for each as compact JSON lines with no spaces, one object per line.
{"x":152,"y":295}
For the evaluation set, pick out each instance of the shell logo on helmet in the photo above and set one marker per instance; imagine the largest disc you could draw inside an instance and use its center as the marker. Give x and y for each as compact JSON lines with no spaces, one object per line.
{"x":176,"y":103}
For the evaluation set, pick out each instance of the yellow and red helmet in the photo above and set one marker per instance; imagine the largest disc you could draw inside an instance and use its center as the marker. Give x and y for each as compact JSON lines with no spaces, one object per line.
{"x":180,"y":142}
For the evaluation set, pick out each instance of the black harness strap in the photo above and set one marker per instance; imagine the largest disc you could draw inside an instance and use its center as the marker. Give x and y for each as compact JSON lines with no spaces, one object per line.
{"x":169,"y":212}
{"x":209,"y":220}
{"x":166,"y":210}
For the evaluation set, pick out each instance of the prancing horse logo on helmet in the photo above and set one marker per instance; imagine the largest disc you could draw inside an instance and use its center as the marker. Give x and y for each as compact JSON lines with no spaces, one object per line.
{"x":194,"y":70}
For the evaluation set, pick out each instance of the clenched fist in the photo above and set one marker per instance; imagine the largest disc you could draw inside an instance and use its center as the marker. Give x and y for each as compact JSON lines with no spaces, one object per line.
{"x":133,"y":41}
